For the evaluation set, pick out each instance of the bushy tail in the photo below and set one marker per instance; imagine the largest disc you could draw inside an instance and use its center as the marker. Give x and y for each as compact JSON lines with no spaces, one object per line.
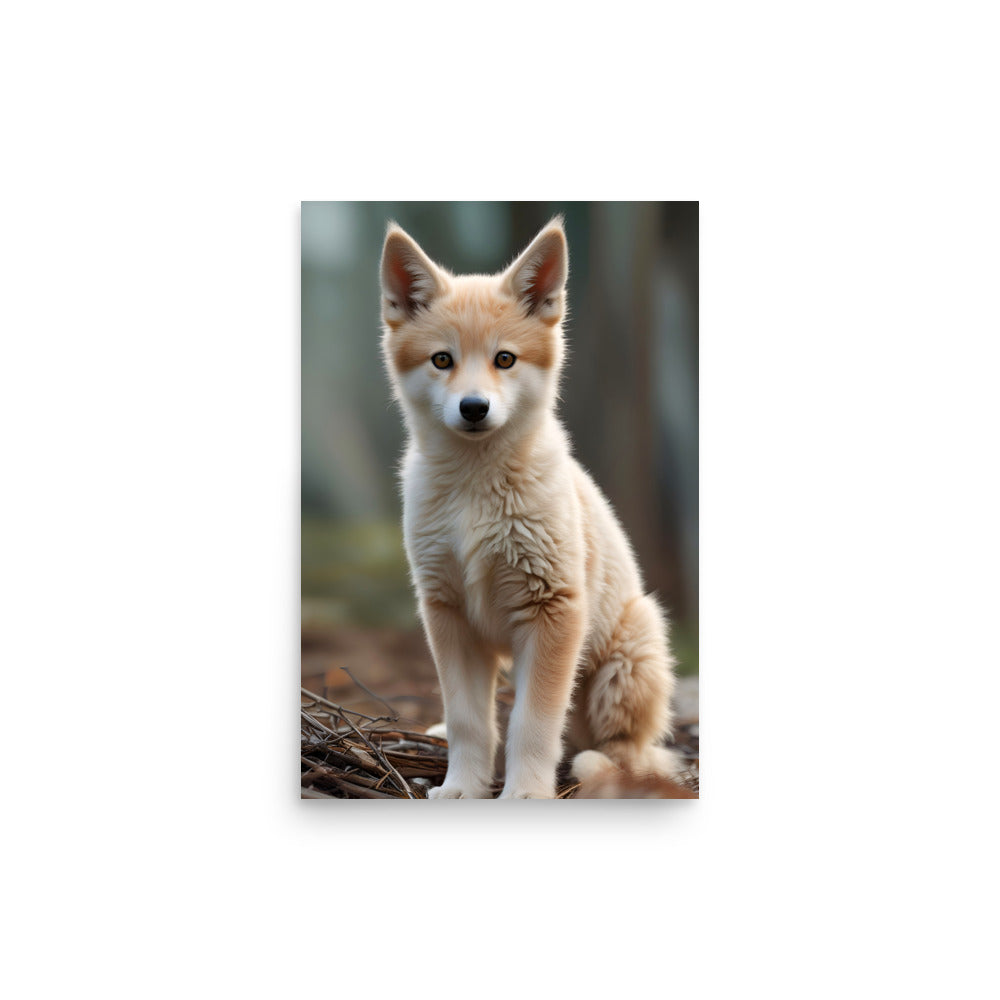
{"x":623,"y":772}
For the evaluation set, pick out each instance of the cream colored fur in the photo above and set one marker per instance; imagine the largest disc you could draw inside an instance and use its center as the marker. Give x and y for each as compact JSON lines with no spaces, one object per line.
{"x":516,"y":556}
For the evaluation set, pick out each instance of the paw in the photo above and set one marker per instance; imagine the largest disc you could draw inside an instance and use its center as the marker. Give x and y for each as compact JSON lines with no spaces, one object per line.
{"x":457,"y":791}
{"x":446,"y":793}
{"x":535,"y":792}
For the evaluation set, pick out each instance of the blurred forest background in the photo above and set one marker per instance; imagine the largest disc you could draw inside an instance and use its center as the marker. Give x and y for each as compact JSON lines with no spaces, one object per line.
{"x":629,"y":400}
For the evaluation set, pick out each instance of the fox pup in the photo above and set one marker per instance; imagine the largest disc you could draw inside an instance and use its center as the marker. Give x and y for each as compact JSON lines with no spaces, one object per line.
{"x":516,"y":556}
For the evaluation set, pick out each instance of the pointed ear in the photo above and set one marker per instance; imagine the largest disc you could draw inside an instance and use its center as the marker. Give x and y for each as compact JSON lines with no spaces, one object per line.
{"x":538,"y":277}
{"x":410,"y":279}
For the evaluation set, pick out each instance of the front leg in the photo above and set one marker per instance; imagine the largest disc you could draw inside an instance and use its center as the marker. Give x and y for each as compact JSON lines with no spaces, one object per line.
{"x":546,"y":654}
{"x":467,"y":670}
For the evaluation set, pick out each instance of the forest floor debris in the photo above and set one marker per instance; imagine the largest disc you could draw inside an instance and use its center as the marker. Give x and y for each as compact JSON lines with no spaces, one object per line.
{"x":348,"y":754}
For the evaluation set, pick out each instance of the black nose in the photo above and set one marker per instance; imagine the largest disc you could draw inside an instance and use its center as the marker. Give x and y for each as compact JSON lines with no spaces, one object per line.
{"x":474,"y":408}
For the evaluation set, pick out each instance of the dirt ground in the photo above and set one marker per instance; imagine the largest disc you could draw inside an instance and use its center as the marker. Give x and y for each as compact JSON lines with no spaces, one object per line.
{"x":393,"y":663}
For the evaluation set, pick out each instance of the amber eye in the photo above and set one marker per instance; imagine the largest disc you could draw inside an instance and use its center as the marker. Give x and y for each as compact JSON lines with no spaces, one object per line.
{"x":504,"y":359}
{"x":441,"y":360}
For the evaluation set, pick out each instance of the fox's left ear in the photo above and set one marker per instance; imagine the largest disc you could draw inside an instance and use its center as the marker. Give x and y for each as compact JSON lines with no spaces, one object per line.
{"x":538,"y":277}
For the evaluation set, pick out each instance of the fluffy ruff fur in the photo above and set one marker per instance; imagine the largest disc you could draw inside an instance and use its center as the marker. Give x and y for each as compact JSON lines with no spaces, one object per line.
{"x":517,"y":559}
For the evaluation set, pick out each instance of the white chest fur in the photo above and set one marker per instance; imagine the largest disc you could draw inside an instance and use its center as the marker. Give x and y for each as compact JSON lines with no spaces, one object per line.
{"x":495,"y":544}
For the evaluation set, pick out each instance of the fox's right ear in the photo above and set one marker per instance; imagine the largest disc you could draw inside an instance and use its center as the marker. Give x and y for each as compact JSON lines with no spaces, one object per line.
{"x":410,"y":279}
